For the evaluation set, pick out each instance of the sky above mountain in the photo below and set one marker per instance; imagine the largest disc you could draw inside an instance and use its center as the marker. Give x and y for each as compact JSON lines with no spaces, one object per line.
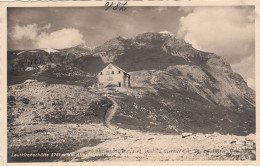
{"x":226,"y":31}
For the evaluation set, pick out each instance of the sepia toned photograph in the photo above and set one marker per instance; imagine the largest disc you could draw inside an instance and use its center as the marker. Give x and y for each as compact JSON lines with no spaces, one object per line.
{"x":131,"y":83}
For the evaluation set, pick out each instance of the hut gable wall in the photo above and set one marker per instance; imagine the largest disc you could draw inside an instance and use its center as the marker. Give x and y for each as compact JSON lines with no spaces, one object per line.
{"x":111,"y":75}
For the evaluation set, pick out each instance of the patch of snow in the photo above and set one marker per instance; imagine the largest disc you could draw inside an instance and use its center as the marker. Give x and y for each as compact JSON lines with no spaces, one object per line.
{"x":156,"y":124}
{"x":50,"y":50}
{"x":33,"y":51}
{"x":20,"y":52}
{"x":29,"y":68}
{"x":85,"y":46}
{"x":165,"y":32}
{"x":197,"y":84}
{"x":29,"y":81}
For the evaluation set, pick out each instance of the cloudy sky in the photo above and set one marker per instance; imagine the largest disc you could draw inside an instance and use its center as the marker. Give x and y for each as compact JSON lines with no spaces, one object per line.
{"x":226,"y":31}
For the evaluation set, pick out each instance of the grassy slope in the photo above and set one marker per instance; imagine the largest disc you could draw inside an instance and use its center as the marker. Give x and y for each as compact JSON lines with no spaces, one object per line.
{"x":173,"y":112}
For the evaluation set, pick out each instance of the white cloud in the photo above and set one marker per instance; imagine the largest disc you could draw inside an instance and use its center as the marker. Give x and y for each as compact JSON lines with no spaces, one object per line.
{"x":226,"y":31}
{"x":25,"y":32}
{"x":60,"y":39}
{"x":67,"y":37}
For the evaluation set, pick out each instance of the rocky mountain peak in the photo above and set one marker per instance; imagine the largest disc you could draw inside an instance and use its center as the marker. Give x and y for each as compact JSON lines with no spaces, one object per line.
{"x":151,"y":38}
{"x":162,"y":41}
{"x":112,"y":44}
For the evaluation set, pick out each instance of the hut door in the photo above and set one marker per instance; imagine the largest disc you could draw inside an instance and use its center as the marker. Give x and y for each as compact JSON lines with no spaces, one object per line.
{"x":119,"y":84}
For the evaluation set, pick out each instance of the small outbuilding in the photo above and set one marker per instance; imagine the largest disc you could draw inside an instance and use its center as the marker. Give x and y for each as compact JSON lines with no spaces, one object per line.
{"x":112,"y":75}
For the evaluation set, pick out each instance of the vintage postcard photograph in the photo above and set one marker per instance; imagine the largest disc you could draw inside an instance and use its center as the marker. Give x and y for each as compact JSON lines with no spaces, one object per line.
{"x":131,"y":83}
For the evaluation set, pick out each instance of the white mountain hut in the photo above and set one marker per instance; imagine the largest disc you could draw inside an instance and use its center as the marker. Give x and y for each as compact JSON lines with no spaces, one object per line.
{"x":112,"y":75}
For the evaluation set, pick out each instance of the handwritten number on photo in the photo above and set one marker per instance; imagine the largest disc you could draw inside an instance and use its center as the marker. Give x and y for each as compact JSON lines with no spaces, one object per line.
{"x":119,"y":6}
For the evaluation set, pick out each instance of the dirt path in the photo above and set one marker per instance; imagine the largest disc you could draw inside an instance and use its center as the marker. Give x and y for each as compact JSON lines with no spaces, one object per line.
{"x":111,"y":112}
